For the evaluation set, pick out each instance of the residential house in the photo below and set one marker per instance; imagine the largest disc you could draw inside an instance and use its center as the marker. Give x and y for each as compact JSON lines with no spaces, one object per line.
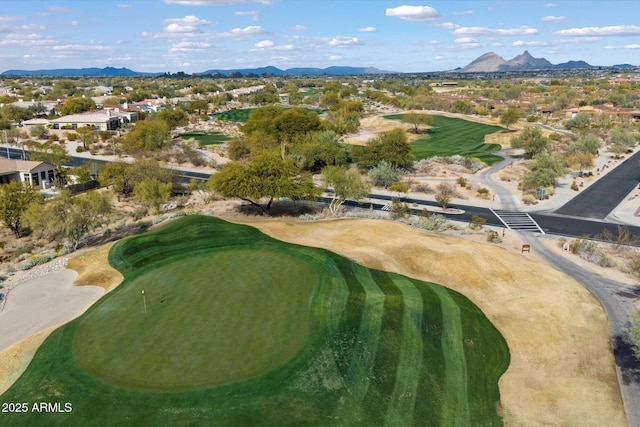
{"x":37,"y":174}
{"x":101,"y":120}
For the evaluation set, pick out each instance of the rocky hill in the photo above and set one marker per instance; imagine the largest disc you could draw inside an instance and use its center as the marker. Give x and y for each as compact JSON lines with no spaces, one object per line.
{"x":492,"y":62}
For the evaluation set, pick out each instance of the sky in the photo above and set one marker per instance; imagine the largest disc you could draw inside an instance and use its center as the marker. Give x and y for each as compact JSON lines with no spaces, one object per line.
{"x":404,"y":36}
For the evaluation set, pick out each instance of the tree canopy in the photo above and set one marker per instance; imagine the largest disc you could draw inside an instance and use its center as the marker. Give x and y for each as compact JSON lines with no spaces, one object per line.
{"x":266,"y":176}
{"x":392,"y":147}
{"x":15,"y":199}
{"x":531,"y":140}
{"x":147,"y":136}
{"x":346,"y":184}
{"x":77,"y":104}
{"x":510,"y":117}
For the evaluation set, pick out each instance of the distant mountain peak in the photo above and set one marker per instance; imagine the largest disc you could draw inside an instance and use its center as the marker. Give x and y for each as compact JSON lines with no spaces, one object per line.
{"x":491,"y":62}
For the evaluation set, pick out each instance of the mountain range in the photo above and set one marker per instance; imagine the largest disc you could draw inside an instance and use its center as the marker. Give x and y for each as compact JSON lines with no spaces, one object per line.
{"x":487,"y":63}
{"x":266,"y":71}
{"x":492,"y":63}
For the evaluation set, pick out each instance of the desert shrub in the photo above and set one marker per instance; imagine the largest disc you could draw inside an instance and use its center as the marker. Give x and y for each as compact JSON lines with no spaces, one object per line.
{"x":590,"y":251}
{"x":493,"y":236}
{"x":477,"y":222}
{"x":79,"y":149}
{"x":421,"y":187}
{"x":72,"y":136}
{"x":461,"y":181}
{"x":433,"y":222}
{"x":483,"y":192}
{"x":574,"y":186}
{"x":399,"y":210}
{"x":25,"y":249}
{"x":384,"y":174}
{"x":35,"y":260}
{"x":529,"y":199}
{"x":634,"y":265}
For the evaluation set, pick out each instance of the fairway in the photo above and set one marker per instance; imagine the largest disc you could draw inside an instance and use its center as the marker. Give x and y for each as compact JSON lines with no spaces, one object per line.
{"x":450,"y":136}
{"x":242,"y":329}
{"x":236,"y":115}
{"x":206,"y":138}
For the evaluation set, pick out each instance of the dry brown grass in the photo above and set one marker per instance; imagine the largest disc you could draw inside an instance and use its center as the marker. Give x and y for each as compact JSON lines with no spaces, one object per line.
{"x":562,"y":370}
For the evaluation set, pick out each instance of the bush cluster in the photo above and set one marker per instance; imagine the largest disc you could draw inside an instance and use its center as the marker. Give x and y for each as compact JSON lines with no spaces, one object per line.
{"x":35,"y":260}
{"x":432,"y":222}
{"x":590,"y":251}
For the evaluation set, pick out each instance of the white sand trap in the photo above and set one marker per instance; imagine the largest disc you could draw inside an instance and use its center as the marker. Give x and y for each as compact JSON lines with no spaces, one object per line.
{"x":43,"y":302}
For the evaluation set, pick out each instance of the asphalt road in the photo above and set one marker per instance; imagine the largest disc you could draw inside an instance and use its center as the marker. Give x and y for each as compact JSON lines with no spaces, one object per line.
{"x":599,"y":199}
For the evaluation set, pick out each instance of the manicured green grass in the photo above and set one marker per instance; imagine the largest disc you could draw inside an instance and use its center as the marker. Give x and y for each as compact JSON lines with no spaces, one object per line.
{"x":244,"y":330}
{"x":241,"y":115}
{"x":206,"y":138}
{"x":449,"y":136}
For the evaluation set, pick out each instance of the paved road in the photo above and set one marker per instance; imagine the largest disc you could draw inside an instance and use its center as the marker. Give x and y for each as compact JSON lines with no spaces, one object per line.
{"x":617,"y":299}
{"x":599,"y":199}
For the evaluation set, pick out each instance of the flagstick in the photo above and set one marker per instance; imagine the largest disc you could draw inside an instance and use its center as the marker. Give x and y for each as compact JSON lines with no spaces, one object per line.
{"x":144,"y":301}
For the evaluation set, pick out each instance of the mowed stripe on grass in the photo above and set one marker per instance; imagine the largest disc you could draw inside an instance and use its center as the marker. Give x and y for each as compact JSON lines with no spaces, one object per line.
{"x":405,"y":389}
{"x":356,"y":347}
{"x":450,"y":136}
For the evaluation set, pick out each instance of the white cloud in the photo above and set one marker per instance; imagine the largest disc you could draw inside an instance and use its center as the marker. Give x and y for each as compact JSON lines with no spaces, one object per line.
{"x":335,"y":58}
{"x":529,"y":43}
{"x":464,"y":12}
{"x":188,"y":46}
{"x":264,"y":44}
{"x":253,"y":14}
{"x":413,"y":13}
{"x":550,"y":5}
{"x":627,"y":46}
{"x":188,"y":24}
{"x":488,"y":32}
{"x":463,"y":40}
{"x":213,"y":2}
{"x":299,"y":28}
{"x":74,"y":23}
{"x":252,"y":30}
{"x":59,"y":9}
{"x":10,"y":18}
{"x":438,"y":58}
{"x":124,"y":6}
{"x":367,"y":30}
{"x":33,"y":27}
{"x":341,"y":41}
{"x":552,"y":18}
{"x":448,"y":26}
{"x":615,"y":30}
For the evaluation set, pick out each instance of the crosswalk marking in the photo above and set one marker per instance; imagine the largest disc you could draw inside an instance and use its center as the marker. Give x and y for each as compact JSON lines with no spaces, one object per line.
{"x":517,"y":220}
{"x":386,"y":208}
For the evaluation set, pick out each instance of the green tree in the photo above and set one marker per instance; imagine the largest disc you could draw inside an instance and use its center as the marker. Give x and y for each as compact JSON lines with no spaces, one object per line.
{"x":417,"y":119}
{"x":266,"y":176}
{"x":445,"y":192}
{"x":15,"y":199}
{"x":510,"y":117}
{"x":392,"y":147}
{"x":585,"y":144}
{"x":580,"y":122}
{"x":70,"y":217}
{"x":198,"y":106}
{"x":117,"y":175}
{"x":346,"y":184}
{"x":48,"y":152}
{"x":147,"y":136}
{"x":16,"y":114}
{"x":172,"y":117}
{"x":152,"y":193}
{"x":318,"y":150}
{"x":39,"y":132}
{"x":579,"y":160}
{"x":634,"y":332}
{"x":295,"y":123}
{"x":531,"y":140}
{"x":543,"y":170}
{"x":77,"y":104}
{"x":87,"y":135}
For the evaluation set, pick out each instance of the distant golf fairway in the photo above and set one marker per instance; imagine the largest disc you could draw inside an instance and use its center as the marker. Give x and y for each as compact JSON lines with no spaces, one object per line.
{"x":242,"y":330}
{"x":450,"y":136}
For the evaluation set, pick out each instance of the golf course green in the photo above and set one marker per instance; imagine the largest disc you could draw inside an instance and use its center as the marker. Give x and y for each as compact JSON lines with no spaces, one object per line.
{"x":450,"y":136}
{"x":236,"y":328}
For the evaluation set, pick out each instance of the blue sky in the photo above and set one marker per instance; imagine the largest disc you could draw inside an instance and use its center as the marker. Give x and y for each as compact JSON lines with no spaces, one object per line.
{"x":197,"y":35}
